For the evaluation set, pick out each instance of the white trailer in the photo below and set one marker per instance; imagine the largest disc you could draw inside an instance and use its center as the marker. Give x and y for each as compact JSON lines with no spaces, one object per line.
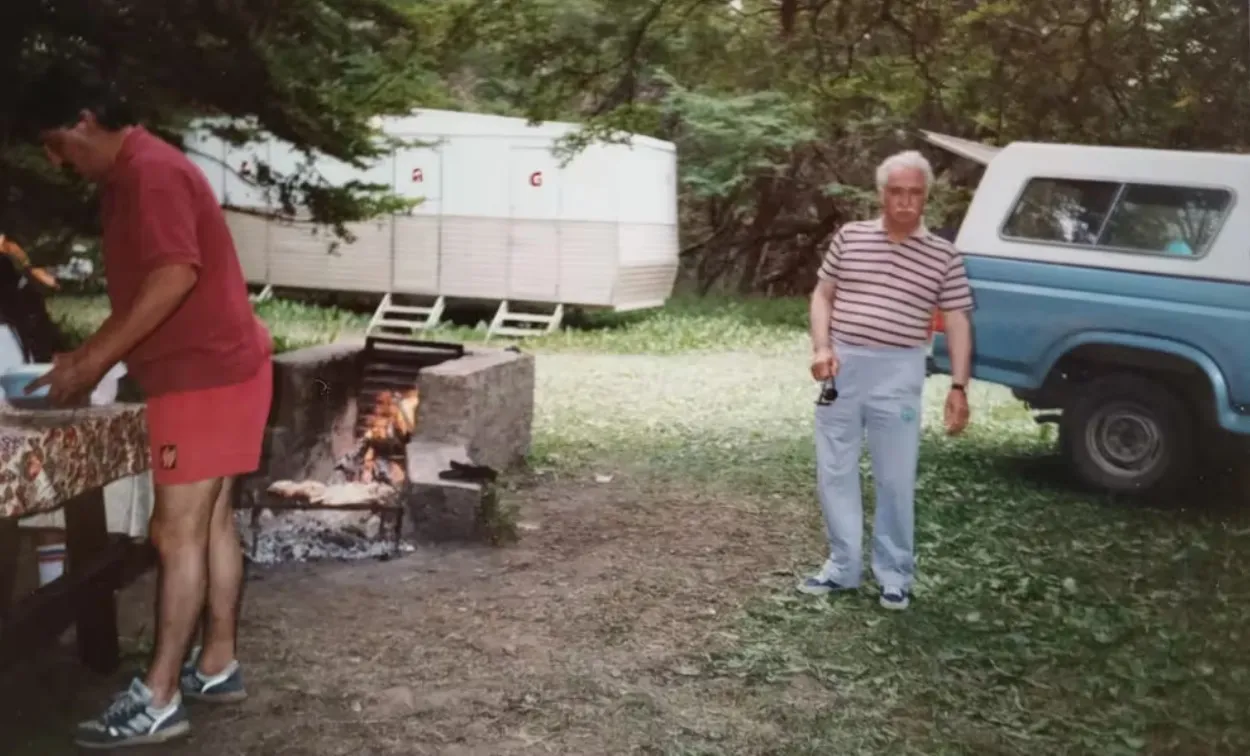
{"x":500,"y":221}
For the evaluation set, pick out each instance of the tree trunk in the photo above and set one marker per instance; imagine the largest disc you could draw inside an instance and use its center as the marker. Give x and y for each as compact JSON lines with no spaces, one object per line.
{"x":767,"y":208}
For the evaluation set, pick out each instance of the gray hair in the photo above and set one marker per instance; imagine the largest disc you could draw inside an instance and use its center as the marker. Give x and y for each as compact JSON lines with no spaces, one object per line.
{"x":900,"y":160}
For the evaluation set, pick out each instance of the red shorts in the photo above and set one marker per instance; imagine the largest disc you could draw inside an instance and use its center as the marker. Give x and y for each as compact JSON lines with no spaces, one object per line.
{"x":211,"y":433}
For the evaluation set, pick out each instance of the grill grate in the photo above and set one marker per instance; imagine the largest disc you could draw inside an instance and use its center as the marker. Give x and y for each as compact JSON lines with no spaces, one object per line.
{"x":393,"y":364}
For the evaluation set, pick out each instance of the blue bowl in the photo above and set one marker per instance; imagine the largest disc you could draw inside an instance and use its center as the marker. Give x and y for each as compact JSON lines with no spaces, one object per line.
{"x":13,"y":383}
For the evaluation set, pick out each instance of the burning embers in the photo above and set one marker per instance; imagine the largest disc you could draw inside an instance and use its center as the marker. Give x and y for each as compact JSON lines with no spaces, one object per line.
{"x":394,"y":415}
{"x":357,"y":512}
{"x":379,"y":457}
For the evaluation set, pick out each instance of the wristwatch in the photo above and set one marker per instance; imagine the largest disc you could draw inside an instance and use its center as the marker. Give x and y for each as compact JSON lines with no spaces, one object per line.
{"x":959,"y":387}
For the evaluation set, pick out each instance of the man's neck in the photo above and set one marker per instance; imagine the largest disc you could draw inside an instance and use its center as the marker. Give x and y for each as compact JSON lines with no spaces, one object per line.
{"x":115,"y":141}
{"x":896,"y":232}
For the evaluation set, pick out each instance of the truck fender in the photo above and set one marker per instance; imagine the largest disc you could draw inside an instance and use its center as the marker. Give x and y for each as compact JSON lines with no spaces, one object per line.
{"x":1219,"y":386}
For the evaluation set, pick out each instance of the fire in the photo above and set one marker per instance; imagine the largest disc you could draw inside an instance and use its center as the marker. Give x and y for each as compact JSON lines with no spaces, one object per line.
{"x":390,"y":423}
{"x":368,"y":466}
{"x":394,"y":416}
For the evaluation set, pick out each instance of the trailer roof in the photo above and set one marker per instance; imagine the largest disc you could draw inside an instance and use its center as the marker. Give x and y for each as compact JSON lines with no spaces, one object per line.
{"x":458,"y":123}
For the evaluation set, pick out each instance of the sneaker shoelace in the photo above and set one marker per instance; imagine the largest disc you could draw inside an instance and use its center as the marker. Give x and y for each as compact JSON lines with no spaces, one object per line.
{"x":123,"y":708}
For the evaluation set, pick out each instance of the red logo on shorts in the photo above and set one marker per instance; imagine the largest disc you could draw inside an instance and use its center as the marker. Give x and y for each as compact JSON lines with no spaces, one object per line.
{"x":169,"y":456}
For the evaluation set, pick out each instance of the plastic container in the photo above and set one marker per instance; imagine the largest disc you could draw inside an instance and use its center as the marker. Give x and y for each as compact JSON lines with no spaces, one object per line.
{"x":13,"y":383}
{"x":11,"y":352}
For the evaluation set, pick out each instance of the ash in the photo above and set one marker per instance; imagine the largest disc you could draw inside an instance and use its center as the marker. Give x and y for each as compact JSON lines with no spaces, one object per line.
{"x":371,"y":475}
{"x":300,"y":535}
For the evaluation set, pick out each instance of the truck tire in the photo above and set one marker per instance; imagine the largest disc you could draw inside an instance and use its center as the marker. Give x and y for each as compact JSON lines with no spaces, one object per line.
{"x":1128,"y":434}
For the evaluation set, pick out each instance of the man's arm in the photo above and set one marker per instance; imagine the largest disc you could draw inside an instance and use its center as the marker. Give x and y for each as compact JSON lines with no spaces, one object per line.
{"x":959,"y":343}
{"x":956,"y":301}
{"x":160,"y":294}
{"x":821,"y":313}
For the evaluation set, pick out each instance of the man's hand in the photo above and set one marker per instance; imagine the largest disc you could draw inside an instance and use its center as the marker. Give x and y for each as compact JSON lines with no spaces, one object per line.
{"x":824,"y":364}
{"x":70,"y":381}
{"x":820,"y":318}
{"x":956,"y":412}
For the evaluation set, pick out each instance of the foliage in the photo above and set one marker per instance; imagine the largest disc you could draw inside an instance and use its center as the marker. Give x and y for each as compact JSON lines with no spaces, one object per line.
{"x":735,"y":140}
{"x":820,"y":92}
{"x":780,"y":110}
{"x":312,"y":73}
{"x":497,"y":519}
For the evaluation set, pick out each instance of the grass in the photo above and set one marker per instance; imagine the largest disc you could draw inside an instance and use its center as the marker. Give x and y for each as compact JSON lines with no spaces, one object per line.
{"x":1047,"y":620}
{"x":686,"y":325}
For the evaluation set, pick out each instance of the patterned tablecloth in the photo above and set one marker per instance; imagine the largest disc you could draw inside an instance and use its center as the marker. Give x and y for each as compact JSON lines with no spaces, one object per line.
{"x":48,"y":457}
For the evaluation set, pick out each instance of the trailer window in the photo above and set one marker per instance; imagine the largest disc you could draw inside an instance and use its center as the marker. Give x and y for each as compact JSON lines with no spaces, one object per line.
{"x":1062,"y":210}
{"x":1149,"y":218}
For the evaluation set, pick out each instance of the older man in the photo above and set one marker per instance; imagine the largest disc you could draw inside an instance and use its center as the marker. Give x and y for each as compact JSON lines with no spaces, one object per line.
{"x":879,"y":285}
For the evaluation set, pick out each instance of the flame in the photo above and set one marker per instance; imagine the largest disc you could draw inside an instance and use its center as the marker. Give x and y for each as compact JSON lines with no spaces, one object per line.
{"x":368,"y":466}
{"x":408,"y":404}
{"x":398,"y":473}
{"x":394,"y":415}
{"x":391,"y":420}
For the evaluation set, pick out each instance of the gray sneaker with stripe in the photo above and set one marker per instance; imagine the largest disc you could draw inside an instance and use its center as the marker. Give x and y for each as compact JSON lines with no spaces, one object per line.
{"x":226,"y":687}
{"x":131,"y":720}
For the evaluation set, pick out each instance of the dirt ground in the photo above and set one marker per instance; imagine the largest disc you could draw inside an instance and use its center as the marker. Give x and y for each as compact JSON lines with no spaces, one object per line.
{"x":583,"y":638}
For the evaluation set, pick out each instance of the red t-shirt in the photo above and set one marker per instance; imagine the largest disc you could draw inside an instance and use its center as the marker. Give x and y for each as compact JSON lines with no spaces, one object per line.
{"x":158,"y":209}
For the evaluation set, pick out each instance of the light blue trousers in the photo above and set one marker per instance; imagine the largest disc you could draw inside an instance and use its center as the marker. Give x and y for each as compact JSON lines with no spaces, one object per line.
{"x":879,"y":391}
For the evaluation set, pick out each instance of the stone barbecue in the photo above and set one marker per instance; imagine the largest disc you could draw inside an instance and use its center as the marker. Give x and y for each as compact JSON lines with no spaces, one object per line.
{"x":371,"y":448}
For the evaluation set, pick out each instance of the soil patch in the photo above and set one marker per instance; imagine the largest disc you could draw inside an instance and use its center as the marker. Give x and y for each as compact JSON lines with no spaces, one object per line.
{"x":582,"y":638}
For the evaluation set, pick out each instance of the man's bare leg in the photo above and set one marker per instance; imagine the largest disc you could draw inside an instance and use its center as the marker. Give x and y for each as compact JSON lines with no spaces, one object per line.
{"x":225,"y":585}
{"x":180,"y":533}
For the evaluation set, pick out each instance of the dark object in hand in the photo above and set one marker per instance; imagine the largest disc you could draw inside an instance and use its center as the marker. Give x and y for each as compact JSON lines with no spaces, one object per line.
{"x":828,"y":393}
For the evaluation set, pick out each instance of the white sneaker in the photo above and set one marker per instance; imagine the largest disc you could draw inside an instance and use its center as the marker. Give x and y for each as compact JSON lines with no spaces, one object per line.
{"x":895,"y":598}
{"x":822,"y":583}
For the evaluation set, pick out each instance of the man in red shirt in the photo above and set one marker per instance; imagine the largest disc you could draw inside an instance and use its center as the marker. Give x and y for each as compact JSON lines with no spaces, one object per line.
{"x":182,"y":322}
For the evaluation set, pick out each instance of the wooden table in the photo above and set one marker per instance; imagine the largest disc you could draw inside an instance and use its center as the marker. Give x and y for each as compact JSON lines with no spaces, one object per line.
{"x":52,"y":459}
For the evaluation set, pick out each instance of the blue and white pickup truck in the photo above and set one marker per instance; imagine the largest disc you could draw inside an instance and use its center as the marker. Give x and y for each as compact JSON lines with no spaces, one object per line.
{"x":1113,"y":286}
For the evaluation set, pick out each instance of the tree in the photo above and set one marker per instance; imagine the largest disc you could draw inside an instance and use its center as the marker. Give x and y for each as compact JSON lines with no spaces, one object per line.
{"x":778,"y":134}
{"x":780,"y":110}
{"x":310,"y":72}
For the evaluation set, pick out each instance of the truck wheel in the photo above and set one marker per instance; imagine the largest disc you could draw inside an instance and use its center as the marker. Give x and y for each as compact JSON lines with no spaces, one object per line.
{"x":1128,"y":434}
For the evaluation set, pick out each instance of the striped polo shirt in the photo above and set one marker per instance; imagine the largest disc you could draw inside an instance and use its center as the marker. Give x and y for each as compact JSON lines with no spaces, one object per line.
{"x":887,"y":292}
